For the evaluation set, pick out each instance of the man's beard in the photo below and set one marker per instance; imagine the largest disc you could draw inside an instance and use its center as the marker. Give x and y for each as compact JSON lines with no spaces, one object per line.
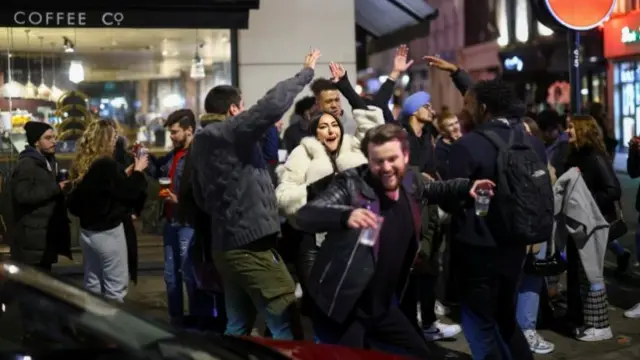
{"x":179,"y":144}
{"x":385,"y":186}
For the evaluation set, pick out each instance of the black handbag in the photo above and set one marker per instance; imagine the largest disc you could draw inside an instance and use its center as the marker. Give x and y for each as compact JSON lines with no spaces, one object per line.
{"x":552,"y":265}
{"x":618,"y":228}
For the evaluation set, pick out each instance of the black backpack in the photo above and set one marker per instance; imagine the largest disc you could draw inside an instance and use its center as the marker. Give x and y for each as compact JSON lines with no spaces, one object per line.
{"x":523,"y":189}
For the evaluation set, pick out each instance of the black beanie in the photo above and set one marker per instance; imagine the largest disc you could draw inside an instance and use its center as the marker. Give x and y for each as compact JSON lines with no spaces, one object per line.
{"x":34,"y":130}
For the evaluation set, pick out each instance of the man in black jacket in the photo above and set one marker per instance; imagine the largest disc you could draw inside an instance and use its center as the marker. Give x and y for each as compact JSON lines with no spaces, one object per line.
{"x":489,"y":262}
{"x":41,"y":226}
{"x":232,"y":185}
{"x":372,"y":216}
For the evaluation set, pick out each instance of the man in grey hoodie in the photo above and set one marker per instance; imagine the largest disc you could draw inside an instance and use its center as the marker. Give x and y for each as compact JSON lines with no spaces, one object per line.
{"x":232,"y":185}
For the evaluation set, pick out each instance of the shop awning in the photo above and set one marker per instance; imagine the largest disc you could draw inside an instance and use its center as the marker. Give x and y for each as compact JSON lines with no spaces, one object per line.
{"x":384,"y":17}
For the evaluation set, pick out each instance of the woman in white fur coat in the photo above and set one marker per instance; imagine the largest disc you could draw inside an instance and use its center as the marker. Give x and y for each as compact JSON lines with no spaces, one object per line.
{"x":328,"y":152}
{"x":318,"y":158}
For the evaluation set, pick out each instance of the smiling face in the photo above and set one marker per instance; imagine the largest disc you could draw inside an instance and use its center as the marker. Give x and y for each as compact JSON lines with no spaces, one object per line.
{"x":388,"y":163}
{"x":329,"y":132}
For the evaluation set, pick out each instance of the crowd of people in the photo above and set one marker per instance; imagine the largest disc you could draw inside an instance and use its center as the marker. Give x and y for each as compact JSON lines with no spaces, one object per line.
{"x":360,"y":222}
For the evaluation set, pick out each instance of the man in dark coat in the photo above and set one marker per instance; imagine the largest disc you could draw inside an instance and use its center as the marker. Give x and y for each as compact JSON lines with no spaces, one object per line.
{"x":41,"y":225}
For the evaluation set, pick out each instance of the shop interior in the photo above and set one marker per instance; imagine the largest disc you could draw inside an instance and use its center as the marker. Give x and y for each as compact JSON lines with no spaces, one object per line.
{"x":68,"y":76}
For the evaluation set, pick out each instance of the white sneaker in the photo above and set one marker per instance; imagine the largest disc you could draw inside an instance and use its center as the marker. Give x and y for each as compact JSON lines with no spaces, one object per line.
{"x":537,"y":344}
{"x":593,"y":334}
{"x":633,"y":313}
{"x":298,"y":291}
{"x":438,"y":331}
{"x":440,"y":309}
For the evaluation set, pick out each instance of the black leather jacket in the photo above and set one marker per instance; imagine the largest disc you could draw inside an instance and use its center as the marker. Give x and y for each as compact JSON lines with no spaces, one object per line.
{"x":344,"y":267}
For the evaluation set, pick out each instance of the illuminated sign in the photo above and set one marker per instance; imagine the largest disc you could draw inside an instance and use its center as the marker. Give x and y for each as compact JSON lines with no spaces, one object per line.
{"x":588,"y":15}
{"x":628,"y":36}
{"x":514,"y":63}
{"x":65,"y":19}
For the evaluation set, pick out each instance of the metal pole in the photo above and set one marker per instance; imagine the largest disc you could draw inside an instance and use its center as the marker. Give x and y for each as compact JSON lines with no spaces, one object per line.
{"x":575,"y":78}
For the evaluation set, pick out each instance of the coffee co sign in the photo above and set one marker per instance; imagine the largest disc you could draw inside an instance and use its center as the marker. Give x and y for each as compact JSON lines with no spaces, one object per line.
{"x":68,"y":19}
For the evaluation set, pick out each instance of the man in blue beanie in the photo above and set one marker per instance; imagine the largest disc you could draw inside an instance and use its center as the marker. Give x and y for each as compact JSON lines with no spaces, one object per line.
{"x":417,"y":117}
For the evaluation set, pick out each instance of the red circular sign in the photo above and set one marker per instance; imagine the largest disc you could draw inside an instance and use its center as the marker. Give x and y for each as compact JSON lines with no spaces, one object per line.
{"x":581,"y":15}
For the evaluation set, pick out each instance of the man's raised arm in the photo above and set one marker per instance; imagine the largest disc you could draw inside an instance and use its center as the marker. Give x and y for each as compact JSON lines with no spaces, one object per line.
{"x":254,"y":122}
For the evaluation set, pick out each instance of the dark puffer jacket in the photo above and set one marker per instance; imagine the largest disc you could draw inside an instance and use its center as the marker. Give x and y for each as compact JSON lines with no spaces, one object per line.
{"x":41,"y":226}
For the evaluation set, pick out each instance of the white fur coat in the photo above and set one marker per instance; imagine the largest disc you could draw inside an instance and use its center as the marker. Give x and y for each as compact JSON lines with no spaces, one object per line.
{"x":309,"y":161}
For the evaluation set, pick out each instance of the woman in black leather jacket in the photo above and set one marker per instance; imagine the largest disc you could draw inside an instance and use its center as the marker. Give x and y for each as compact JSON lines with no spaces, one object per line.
{"x":587,"y":152}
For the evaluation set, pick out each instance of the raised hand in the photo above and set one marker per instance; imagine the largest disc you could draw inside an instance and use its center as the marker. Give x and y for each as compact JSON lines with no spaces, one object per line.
{"x":337,"y":71}
{"x":400,"y":63}
{"x":311,"y":59}
{"x":439,"y":63}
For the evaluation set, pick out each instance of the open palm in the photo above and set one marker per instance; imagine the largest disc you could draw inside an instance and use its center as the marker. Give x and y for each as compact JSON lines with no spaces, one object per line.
{"x":400,"y":62}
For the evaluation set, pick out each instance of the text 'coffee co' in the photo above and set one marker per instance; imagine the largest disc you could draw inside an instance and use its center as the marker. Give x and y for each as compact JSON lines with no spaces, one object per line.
{"x":67,"y":19}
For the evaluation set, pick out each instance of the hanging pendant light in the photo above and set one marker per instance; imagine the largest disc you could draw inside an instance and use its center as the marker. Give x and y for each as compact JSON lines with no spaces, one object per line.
{"x":56,"y":93}
{"x":31,"y":90}
{"x":44,"y":92}
{"x":76,"y":70}
{"x":197,"y":64}
{"x":12,"y":88}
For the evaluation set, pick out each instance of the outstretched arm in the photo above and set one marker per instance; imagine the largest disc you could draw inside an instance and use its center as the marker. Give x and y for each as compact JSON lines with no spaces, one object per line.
{"x":252,"y":124}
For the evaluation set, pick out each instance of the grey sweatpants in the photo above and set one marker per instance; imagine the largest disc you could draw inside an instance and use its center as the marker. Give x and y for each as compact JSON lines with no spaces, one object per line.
{"x":106,"y":270}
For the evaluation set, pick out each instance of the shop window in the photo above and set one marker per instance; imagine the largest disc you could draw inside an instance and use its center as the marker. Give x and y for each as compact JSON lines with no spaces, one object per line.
{"x":626,"y":114}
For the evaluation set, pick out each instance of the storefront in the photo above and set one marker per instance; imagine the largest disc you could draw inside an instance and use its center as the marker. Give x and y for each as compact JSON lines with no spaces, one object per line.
{"x":248,"y":43}
{"x":535,"y":70}
{"x":622,"y":50}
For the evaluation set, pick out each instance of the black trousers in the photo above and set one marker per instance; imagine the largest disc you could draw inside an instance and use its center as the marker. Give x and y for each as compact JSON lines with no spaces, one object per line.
{"x":489,"y":278}
{"x":392,"y":328}
{"x":421,"y":289}
{"x":575,"y":311}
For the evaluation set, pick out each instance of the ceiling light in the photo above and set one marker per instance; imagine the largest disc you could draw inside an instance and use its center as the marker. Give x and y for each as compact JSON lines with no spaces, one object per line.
{"x":76,"y":72}
{"x":165,"y":53}
{"x":13,"y":89}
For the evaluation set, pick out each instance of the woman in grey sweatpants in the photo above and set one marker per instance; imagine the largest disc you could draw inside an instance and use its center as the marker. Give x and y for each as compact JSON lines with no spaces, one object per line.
{"x":101,"y":196}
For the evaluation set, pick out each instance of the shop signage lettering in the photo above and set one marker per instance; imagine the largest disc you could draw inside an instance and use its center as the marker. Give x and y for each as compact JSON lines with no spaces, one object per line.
{"x":180,"y":18}
{"x":67,"y":19}
{"x":629,"y":36}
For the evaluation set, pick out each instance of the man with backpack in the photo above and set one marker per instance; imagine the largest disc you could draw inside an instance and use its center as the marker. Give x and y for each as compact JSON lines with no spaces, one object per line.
{"x":491,"y":249}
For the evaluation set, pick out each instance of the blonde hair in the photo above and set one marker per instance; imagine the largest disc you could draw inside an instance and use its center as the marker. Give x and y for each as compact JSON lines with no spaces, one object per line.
{"x":96,"y":142}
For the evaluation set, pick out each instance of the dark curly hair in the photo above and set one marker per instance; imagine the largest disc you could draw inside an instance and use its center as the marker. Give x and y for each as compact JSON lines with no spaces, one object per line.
{"x":496,"y":95}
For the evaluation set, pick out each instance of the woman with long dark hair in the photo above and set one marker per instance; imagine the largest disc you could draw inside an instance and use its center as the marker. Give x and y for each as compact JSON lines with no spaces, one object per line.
{"x":588,"y":153}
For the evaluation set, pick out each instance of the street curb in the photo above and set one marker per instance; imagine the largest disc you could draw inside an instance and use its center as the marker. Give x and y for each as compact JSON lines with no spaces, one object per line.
{"x":76,"y":269}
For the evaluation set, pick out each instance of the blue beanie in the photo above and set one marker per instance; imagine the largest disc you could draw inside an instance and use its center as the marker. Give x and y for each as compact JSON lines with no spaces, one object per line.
{"x":415,"y":102}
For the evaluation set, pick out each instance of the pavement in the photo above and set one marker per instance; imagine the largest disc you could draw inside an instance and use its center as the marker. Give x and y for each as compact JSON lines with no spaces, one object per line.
{"x":149,"y":297}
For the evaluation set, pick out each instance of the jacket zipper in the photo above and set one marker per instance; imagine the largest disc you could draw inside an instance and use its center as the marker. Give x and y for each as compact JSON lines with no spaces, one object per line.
{"x":324,"y":273}
{"x":406,"y":283}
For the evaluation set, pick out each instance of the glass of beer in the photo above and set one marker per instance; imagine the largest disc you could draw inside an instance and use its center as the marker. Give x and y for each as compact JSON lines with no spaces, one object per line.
{"x":165,"y":183}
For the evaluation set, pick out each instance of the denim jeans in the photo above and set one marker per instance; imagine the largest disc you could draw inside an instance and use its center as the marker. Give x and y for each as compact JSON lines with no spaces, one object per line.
{"x":241,"y":314}
{"x":178,"y":268}
{"x":529,"y":296}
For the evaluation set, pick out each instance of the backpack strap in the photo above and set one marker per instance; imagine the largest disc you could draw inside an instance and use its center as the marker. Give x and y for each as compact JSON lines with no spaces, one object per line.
{"x":496,"y":140}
